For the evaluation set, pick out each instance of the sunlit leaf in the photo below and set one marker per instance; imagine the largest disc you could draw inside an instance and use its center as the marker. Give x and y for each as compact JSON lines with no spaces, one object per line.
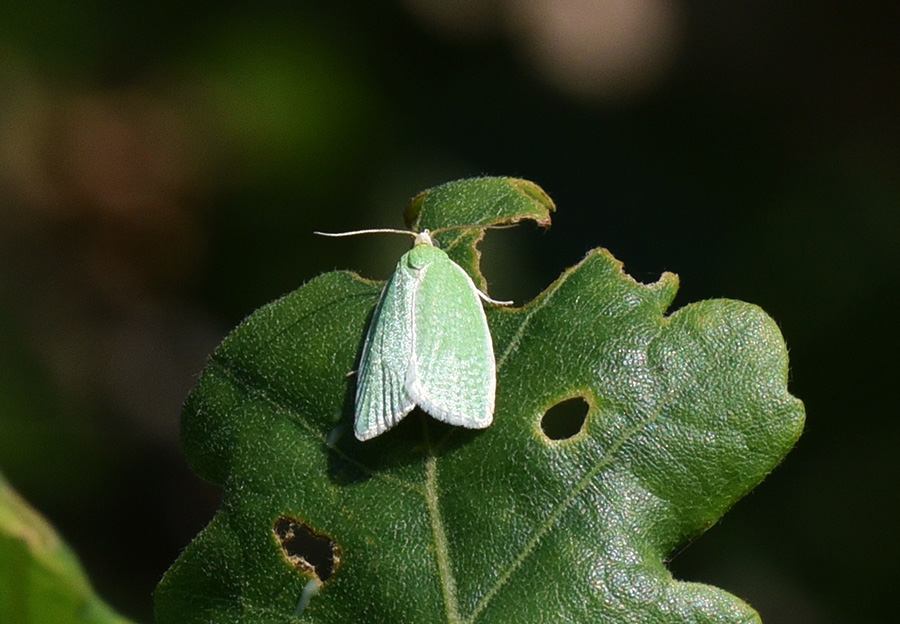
{"x":549,"y":515}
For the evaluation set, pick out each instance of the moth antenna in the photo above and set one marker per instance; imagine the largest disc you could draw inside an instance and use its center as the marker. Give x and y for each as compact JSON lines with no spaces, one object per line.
{"x":372,"y":231}
{"x":474,"y":227}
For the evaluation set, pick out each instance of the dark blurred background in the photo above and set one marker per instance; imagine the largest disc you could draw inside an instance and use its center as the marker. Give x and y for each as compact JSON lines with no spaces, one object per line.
{"x":162,"y":167}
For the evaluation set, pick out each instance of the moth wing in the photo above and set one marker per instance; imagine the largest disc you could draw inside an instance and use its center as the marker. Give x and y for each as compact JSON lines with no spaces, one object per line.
{"x":453,"y":373}
{"x":382,"y":399}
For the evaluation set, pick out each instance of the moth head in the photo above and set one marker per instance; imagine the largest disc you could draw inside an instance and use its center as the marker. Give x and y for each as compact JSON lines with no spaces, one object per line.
{"x":424,"y":238}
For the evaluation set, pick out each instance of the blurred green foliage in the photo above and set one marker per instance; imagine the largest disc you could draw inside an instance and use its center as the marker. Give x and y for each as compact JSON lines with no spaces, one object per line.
{"x":41,"y":578}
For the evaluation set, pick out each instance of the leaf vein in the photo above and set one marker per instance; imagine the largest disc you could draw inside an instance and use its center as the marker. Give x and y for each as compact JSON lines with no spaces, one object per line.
{"x":442,"y":549}
{"x":520,"y":332}
{"x":248,"y":387}
{"x":560,"y":509}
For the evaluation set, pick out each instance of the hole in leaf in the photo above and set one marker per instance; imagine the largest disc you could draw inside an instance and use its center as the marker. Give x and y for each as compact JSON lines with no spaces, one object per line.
{"x":565,"y":419}
{"x":310,"y":552}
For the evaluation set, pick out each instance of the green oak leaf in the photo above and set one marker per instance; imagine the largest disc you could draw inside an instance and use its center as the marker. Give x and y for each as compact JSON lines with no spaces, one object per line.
{"x":41,"y":580}
{"x":539,"y":518}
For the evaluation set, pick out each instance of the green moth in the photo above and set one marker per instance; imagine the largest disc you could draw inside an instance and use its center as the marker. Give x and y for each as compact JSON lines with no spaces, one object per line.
{"x":428,"y":345}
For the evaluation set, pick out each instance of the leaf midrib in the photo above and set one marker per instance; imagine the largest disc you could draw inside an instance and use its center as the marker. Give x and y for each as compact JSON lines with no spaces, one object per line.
{"x":442,"y":550}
